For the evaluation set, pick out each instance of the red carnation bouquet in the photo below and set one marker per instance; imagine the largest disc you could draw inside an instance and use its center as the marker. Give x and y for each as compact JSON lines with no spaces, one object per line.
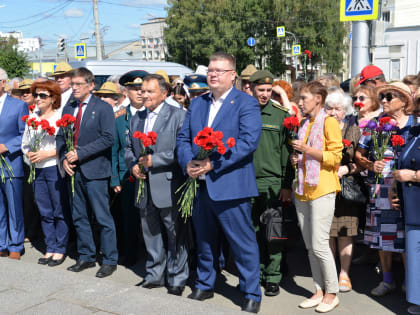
{"x":208,"y":141}
{"x":66,"y":123}
{"x":292,"y":125}
{"x":146,"y":140}
{"x":346,"y":143}
{"x":37,"y":130}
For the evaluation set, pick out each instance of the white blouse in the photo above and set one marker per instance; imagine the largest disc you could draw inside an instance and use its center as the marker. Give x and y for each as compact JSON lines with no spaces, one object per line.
{"x":47,"y":143}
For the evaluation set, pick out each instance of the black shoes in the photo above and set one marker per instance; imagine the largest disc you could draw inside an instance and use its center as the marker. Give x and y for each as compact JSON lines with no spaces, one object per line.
{"x":44,"y":261}
{"x":175,"y":290}
{"x":251,"y":306}
{"x":150,"y":285}
{"x":81,"y":265}
{"x":53,"y":262}
{"x":106,"y":270}
{"x":272,"y":289}
{"x":201,"y":295}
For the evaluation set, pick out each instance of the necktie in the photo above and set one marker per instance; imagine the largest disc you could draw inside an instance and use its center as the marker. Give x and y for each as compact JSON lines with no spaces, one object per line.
{"x":77,"y":124}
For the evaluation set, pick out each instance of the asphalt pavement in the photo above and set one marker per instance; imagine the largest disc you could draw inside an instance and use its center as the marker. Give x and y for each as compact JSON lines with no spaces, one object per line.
{"x":29,"y":288}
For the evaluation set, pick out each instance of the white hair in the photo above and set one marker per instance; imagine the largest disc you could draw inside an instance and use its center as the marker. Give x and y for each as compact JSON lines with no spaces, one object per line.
{"x":341,"y":99}
{"x":3,"y":74}
{"x":116,"y":79}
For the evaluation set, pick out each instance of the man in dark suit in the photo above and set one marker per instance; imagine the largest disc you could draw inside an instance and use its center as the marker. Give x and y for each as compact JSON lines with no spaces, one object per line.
{"x":228,"y":181}
{"x":90,"y":164}
{"x":158,"y":207}
{"x":62,"y":75}
{"x":11,"y":213}
{"x":120,"y":181}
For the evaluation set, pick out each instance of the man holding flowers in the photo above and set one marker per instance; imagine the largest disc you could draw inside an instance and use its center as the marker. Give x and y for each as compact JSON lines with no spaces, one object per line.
{"x":11,"y":168}
{"x":150,"y":157}
{"x":274,"y":176}
{"x":226,"y":181}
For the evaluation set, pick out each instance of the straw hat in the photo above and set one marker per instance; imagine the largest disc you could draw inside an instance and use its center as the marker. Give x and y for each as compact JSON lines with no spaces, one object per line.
{"x":62,"y":68}
{"x":108,"y":88}
{"x":164,"y":75}
{"x":247,"y":72}
{"x":399,"y":87}
{"x":25,"y":84}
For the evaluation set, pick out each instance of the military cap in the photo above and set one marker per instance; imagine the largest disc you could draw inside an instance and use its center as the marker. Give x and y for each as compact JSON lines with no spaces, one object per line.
{"x":133,"y":78}
{"x":262,"y":77}
{"x":62,"y":68}
{"x":25,"y":84}
{"x":196,"y":82}
{"x":247,"y":72}
{"x":164,"y":75}
{"x":108,"y":88}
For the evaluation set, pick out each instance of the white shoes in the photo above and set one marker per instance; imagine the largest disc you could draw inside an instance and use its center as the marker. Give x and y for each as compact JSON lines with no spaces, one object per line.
{"x":414,"y":310}
{"x":309,"y":303}
{"x":383,"y":289}
{"x":325,"y":308}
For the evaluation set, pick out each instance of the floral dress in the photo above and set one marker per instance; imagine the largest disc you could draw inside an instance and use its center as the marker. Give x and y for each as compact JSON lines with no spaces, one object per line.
{"x":385,"y":227}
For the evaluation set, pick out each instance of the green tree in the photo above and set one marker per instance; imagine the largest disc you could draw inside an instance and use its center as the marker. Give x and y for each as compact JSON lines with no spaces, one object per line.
{"x":14,"y":62}
{"x":196,"y":29}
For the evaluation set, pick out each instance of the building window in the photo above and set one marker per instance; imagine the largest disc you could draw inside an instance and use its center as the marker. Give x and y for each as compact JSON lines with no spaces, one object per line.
{"x":395,"y":69}
{"x":386,"y":16}
{"x":157,"y":41}
{"x":144,"y":55}
{"x":157,"y":54}
{"x":150,"y":54}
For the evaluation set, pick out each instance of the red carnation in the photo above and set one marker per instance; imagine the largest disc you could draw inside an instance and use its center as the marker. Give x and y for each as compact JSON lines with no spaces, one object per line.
{"x":131,"y":179}
{"x":218,"y":135}
{"x":221,"y":148}
{"x":346,"y":143}
{"x":359,"y":105}
{"x":25,"y":118}
{"x":31,"y":107}
{"x":397,"y":141}
{"x":137,"y":134}
{"x":231,"y":142}
{"x":308,"y":52}
{"x":153,"y":136}
{"x":291,"y":123}
{"x":384,"y":120}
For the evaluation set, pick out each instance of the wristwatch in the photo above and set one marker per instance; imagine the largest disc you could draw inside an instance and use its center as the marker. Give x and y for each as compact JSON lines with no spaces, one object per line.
{"x":415,"y":176}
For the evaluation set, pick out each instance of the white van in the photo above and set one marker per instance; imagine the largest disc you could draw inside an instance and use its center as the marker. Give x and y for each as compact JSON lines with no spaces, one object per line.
{"x":105,"y":68}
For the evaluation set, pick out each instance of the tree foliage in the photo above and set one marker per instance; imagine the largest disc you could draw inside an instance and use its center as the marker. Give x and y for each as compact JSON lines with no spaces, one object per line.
{"x":197,"y":28}
{"x":14,"y":62}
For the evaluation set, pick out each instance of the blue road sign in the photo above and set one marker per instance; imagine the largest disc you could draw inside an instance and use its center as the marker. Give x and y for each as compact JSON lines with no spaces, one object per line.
{"x":358,"y":10}
{"x":251,"y":41}
{"x":80,"y":50}
{"x":55,"y":66}
{"x":296,"y":50}
{"x":281,"y":31}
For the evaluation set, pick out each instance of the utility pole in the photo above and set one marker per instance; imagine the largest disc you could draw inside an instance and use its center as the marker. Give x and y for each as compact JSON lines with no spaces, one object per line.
{"x":360,"y":46}
{"x":97,"y":31}
{"x":40,"y":56}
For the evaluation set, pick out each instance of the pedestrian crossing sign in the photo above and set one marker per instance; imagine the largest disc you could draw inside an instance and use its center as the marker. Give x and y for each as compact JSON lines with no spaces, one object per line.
{"x":358,"y":10}
{"x":281,"y":31}
{"x":296,"y":50}
{"x":80,"y":51}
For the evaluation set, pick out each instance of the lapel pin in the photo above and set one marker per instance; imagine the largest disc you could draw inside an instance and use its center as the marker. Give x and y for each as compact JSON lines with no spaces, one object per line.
{"x":232,"y":102}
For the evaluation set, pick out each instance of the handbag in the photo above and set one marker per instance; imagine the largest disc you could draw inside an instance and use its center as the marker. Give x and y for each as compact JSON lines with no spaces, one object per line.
{"x":353,"y":190}
{"x":274,"y":225}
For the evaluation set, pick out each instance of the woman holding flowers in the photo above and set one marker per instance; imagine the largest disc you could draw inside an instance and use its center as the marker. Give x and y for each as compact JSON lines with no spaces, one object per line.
{"x":38,"y":144}
{"x":408,"y":176}
{"x":319,"y":146}
{"x":384,"y":226}
{"x":346,"y":215}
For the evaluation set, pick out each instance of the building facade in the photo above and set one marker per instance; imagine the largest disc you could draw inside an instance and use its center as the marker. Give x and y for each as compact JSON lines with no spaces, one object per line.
{"x":25,"y":45}
{"x":153,"y":47}
{"x":395,"y":38}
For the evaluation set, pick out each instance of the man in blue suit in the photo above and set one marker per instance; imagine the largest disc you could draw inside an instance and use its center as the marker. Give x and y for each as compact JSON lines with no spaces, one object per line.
{"x":11,"y":213}
{"x":228,"y":181}
{"x":90,"y":164}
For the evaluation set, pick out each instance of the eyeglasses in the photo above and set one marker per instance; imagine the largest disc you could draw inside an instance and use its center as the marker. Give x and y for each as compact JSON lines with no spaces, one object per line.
{"x":42,"y":96}
{"x":361,"y":98}
{"x":388,"y":96}
{"x":218,"y":72}
{"x":77,"y":84}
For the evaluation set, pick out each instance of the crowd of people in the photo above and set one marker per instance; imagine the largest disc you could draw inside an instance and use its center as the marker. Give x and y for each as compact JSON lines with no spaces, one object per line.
{"x":97,"y":167}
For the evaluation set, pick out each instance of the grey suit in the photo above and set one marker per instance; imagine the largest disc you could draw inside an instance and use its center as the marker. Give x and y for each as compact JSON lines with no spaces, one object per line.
{"x":158,"y":207}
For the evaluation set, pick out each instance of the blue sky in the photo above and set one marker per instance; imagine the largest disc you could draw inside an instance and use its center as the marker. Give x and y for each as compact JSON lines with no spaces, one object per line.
{"x":50,"y":19}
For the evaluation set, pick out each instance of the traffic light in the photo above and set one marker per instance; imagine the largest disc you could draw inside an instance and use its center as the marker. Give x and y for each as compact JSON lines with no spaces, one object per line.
{"x":61,"y":44}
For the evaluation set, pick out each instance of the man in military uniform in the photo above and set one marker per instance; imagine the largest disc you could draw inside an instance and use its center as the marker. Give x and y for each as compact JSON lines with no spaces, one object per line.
{"x":121,"y":182}
{"x":274,"y":176}
{"x":197,"y":85}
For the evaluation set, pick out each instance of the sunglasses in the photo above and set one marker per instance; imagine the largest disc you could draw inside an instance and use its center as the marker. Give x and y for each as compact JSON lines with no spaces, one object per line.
{"x":42,"y":96}
{"x":387,"y":96}
{"x":361,"y":98}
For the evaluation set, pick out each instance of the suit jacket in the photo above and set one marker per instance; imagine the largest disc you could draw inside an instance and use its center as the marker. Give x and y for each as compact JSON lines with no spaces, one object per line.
{"x":164,"y":176}
{"x":233,"y":175}
{"x":11,"y":131}
{"x":96,"y":137}
{"x":119,"y":168}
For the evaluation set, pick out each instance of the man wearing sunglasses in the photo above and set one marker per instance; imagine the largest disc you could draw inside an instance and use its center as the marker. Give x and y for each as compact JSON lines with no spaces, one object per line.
{"x":11,"y":212}
{"x":371,"y":76}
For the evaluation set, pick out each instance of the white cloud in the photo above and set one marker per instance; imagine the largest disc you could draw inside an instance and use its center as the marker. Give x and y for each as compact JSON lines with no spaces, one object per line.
{"x":2,"y":6}
{"x":134,"y":25}
{"x":74,"y":12}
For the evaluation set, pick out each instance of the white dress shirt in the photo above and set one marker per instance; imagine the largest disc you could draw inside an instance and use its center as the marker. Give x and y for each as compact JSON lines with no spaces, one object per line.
{"x":83,"y":108}
{"x":65,"y":96}
{"x":47,"y":143}
{"x":151,"y":118}
{"x":215,"y":106}
{"x":2,"y":100}
{"x":134,"y":110}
